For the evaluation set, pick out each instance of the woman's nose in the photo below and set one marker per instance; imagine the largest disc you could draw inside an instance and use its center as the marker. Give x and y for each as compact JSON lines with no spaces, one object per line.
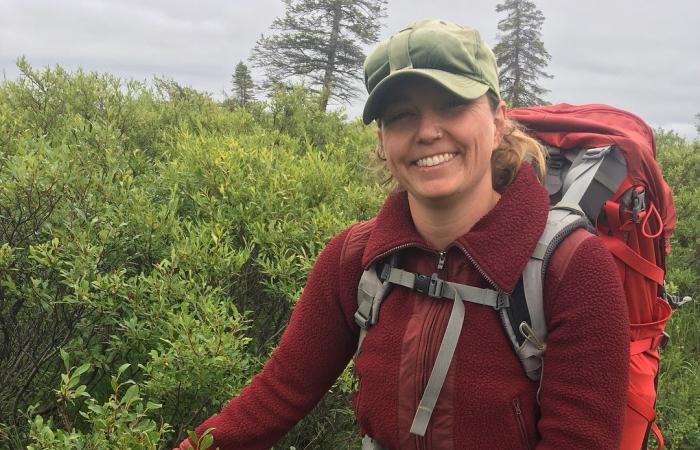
{"x":429,"y":128}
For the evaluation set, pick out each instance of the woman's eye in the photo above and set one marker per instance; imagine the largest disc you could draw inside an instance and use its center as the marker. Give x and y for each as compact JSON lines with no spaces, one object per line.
{"x":393,"y":116}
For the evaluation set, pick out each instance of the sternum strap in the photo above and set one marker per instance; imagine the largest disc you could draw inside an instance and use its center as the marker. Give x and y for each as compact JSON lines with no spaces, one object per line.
{"x":458,"y":293}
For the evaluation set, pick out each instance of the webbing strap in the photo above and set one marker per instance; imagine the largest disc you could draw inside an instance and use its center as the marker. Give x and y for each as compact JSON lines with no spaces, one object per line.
{"x":439,"y":372}
{"x":438,"y":288}
{"x":532,"y":326}
{"x":634,"y":260}
{"x":581,"y":176}
{"x":644,"y":409}
{"x":471,"y":294}
{"x":642,"y":345}
{"x":641,"y":405}
{"x":371,"y":291}
{"x":659,"y":436}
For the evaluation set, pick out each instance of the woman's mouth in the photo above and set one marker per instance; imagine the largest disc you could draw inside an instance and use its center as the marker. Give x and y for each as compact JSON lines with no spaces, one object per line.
{"x":434,"y":160}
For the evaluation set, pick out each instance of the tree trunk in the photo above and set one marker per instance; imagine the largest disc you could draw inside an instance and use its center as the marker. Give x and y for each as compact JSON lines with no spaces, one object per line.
{"x":326,"y":89}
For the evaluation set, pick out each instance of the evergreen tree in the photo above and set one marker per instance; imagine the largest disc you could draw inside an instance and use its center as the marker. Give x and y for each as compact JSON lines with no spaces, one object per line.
{"x":521,"y":54}
{"x":320,"y":40}
{"x":243,"y":86}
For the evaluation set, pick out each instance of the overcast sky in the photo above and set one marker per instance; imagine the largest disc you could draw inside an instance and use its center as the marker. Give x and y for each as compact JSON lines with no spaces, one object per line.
{"x":640,"y":55}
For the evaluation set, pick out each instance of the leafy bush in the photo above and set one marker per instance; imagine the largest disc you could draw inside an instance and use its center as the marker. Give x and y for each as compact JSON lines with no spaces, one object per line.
{"x":679,"y":386}
{"x":120,"y":422}
{"x":154,"y":236}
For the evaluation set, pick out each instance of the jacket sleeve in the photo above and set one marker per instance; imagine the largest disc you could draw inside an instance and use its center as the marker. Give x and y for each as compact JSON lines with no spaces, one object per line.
{"x":584,"y":383}
{"x":314,"y":349}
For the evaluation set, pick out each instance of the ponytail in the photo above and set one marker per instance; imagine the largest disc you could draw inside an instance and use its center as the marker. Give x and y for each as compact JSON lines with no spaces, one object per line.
{"x":515,"y":147}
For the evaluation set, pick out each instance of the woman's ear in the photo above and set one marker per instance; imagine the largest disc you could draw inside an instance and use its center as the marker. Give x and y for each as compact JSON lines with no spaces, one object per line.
{"x":499,"y":121}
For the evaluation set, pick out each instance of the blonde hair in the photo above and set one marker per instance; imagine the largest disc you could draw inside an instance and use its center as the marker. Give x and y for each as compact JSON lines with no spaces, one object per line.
{"x":515,"y":147}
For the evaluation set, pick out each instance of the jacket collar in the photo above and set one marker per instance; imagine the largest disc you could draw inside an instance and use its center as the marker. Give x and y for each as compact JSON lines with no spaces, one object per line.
{"x":500,"y":243}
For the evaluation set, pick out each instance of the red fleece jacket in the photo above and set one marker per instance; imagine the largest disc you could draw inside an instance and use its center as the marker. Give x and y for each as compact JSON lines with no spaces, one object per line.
{"x":486,"y":401}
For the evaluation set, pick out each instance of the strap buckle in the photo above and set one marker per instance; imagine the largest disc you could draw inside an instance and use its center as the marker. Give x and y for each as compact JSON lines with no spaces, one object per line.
{"x":386,"y":271}
{"x":502,"y":301}
{"x":639,"y":204}
{"x":596,"y":153}
{"x":430,"y":286}
{"x":361,"y":321}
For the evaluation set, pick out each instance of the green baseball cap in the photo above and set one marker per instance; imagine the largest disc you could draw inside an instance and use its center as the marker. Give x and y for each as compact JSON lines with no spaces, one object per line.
{"x":453,"y":56}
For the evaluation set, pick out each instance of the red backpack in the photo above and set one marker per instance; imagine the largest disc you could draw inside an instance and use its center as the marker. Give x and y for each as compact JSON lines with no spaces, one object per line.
{"x":635,"y":221}
{"x":601,"y":175}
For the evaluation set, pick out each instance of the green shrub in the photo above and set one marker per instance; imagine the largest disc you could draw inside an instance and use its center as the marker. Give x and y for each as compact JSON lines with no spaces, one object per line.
{"x":151,"y":235}
{"x":679,"y":384}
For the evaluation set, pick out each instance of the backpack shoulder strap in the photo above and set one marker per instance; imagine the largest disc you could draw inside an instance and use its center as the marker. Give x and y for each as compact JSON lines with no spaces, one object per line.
{"x":371,"y":290}
{"x":524,"y":321}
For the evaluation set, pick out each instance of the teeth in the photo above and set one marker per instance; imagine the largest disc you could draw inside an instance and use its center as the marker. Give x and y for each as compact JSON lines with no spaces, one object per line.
{"x":435,"y":160}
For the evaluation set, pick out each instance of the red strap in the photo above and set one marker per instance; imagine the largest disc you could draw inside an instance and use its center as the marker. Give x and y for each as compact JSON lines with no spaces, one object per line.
{"x":642,"y":407}
{"x":639,"y":404}
{"x":612,"y":214}
{"x":646,"y":232}
{"x":658,"y":435}
{"x":633,"y":260}
{"x":642,"y":345}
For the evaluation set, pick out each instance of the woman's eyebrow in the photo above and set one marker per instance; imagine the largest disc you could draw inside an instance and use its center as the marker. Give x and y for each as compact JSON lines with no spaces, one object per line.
{"x":398,"y":100}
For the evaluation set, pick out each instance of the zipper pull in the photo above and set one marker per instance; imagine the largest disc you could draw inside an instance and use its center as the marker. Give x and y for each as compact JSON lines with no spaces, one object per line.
{"x":441,"y":261}
{"x":516,"y":407}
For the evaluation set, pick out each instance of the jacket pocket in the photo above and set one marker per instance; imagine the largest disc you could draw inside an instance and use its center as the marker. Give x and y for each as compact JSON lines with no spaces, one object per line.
{"x":520,"y":423}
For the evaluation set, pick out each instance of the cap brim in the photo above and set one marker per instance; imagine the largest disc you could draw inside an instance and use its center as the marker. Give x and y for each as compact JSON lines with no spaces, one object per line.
{"x":459,"y":85}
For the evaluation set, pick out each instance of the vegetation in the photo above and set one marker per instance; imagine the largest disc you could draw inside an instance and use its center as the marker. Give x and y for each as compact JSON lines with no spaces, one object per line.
{"x":320,"y":40}
{"x":242,"y":83}
{"x":520,"y":53}
{"x":679,"y":399}
{"x":153,"y":243}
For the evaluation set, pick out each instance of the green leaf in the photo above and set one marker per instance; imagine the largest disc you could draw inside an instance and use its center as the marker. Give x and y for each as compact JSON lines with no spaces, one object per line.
{"x":131,"y":394}
{"x":122,"y":368}
{"x":66,"y":358}
{"x":207,"y":442}
{"x":81,"y":370}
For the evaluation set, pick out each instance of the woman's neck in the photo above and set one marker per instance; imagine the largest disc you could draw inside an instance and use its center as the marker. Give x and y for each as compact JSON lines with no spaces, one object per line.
{"x":440,"y":223}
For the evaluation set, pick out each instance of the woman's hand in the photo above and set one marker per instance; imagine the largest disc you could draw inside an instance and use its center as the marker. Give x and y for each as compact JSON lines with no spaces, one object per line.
{"x":184,"y":445}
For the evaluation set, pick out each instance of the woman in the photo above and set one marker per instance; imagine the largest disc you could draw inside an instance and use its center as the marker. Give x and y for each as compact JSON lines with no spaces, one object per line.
{"x":471,"y":208}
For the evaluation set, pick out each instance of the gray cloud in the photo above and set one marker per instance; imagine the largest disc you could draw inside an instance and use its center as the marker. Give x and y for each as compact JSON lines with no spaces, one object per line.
{"x":641,"y":56}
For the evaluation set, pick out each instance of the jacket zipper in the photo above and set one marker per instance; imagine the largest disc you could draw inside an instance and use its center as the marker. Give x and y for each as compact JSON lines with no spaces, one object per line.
{"x":428,"y":332}
{"x":394,"y":250}
{"x":480,"y":270}
{"x":521,"y":423}
{"x":441,"y":260}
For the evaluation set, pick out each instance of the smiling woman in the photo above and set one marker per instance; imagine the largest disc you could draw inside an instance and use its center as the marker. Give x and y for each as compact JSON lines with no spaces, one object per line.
{"x":435,"y":374}
{"x":438,"y":147}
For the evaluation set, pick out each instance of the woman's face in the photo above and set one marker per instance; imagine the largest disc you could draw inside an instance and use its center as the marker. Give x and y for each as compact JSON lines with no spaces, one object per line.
{"x":438,"y":146}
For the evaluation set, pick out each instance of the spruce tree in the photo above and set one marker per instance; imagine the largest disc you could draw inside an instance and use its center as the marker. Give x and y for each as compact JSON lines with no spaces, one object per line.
{"x":320,"y":41}
{"x":520,"y":53}
{"x":243,"y":86}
